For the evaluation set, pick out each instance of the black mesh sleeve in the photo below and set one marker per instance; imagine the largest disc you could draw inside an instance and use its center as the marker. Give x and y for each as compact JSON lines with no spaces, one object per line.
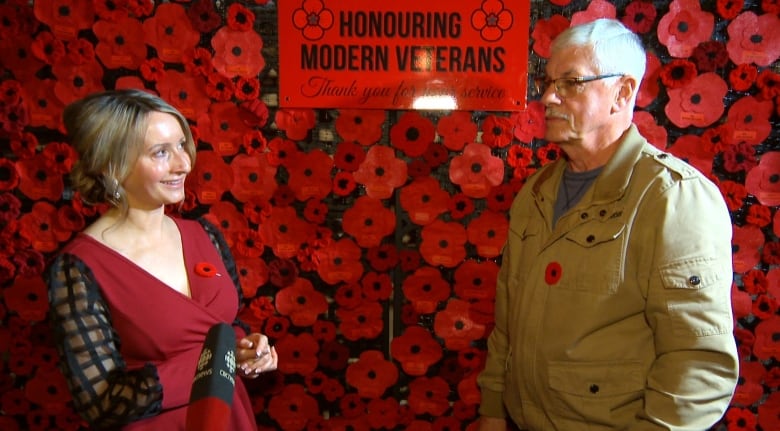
{"x":105,"y":393}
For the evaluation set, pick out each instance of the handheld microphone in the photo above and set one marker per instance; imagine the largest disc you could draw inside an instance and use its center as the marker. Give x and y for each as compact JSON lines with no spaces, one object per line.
{"x":212,"y":387}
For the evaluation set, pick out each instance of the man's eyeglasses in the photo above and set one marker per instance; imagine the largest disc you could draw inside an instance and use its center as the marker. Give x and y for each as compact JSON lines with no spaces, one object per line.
{"x":566,"y":87}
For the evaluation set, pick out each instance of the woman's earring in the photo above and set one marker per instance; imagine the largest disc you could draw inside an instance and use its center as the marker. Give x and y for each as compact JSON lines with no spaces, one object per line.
{"x":115,"y":187}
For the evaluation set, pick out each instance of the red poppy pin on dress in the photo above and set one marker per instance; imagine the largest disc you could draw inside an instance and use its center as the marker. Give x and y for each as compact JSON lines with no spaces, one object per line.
{"x":205,"y":269}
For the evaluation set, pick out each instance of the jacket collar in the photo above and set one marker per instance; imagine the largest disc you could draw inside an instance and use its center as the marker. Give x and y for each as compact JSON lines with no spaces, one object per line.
{"x":611,"y":184}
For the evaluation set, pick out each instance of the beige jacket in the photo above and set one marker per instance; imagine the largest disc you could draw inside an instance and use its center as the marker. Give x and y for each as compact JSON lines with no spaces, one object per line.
{"x":619,"y":317}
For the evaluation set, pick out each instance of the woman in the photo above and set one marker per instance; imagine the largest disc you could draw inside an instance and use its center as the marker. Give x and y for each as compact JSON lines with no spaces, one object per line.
{"x":133,"y":296}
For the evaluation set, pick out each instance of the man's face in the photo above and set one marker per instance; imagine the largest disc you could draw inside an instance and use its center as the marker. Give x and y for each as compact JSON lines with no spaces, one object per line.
{"x":580,"y":114}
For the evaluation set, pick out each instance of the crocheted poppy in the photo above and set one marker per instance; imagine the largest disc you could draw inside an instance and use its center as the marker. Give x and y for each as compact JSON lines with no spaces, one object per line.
{"x":754,"y":38}
{"x":293,"y":407}
{"x":497,"y":131}
{"x":27,"y":296}
{"x":170,"y":33}
{"x":476,"y":170}
{"x":237,"y":53}
{"x":361,"y":126}
{"x":412,"y":133}
{"x":300,"y":302}
{"x":424,"y":200}
{"x":309,"y":174}
{"x":371,"y":374}
{"x":362,"y":322}
{"x":455,"y":326}
{"x":296,"y":123}
{"x":456,"y":130}
{"x":488,"y":232}
{"x":429,"y":395}
{"x":443,"y":243}
{"x":121,"y":43}
{"x":416,"y":350}
{"x":684,"y":27}
{"x":596,"y":9}
{"x":185,"y":92}
{"x":381,"y":172}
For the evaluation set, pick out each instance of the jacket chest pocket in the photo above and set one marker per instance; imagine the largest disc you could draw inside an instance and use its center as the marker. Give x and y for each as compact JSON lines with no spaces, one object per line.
{"x":593,"y":257}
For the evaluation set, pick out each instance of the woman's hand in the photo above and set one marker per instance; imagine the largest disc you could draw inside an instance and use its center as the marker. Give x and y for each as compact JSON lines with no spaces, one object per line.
{"x":254,"y":355}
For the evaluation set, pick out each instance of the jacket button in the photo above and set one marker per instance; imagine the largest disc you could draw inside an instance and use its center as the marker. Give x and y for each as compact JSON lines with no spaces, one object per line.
{"x":584,"y":216}
{"x":694,"y":280}
{"x":590,"y":238}
{"x":602,"y":213}
{"x":594,"y":388}
{"x":663,"y":156}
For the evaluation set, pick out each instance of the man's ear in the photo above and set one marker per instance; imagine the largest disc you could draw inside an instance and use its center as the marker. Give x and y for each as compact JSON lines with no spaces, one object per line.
{"x":626,"y":93}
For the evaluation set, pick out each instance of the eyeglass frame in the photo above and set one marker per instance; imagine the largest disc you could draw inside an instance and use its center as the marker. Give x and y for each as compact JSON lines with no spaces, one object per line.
{"x":542,"y":84}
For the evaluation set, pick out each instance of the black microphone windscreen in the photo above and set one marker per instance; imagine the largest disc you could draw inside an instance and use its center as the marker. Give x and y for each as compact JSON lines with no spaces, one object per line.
{"x":214,"y":381}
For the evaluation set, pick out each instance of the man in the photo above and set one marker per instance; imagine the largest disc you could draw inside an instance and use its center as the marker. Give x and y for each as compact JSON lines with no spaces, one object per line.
{"x":613,"y":306}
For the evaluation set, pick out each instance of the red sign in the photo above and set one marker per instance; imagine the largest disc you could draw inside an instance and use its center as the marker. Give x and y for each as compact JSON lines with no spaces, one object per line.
{"x":467,"y":55}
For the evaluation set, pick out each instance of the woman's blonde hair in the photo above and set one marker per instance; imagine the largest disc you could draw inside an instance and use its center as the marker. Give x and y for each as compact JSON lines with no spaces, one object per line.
{"x":107,"y":130}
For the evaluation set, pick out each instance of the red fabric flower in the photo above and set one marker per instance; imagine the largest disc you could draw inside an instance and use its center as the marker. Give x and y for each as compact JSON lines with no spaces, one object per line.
{"x":476,"y":279}
{"x":205,"y":269}
{"x":429,"y":395}
{"x":376,"y":286}
{"x":220,"y":88}
{"x":739,"y":157}
{"x":596,"y":9}
{"x":552,"y":273}
{"x":27,"y":297}
{"x":237,"y":53}
{"x":443,"y":243}
{"x":296,"y":123}
{"x":460,"y":206}
{"x":309,"y":175}
{"x":455,"y":327}
{"x":41,"y":229}
{"x":45,"y":109}
{"x":18,"y":56}
{"x":769,"y":412}
{"x":424,"y":200}
{"x":476,"y":170}
{"x":436,"y":155}
{"x":710,"y":56}
{"x":368,"y":221}
{"x":360,"y":126}
{"x":678,"y":73}
{"x":185,"y":92}
{"x":690,"y":149}
{"x":297,"y":354}
{"x":339,"y":261}
{"x":300,"y":302}
{"x":767,"y":345}
{"x":469,"y":393}
{"x":204,"y":16}
{"x":654,"y":133}
{"x":649,"y":87}
{"x":293,"y":408}
{"x":746,"y":242}
{"x":362,"y":322}
{"x":284,"y":232}
{"x":416,"y":350}
{"x":75,"y":81}
{"x":65,"y":17}
{"x":49,"y":390}
{"x":684,"y":27}
{"x":371,"y":374}
{"x":222,"y":127}
{"x":639,"y":16}
{"x":121,"y":43}
{"x":252,"y":274}
{"x":488,"y":232}
{"x":315,"y":211}
{"x":383,"y":413}
{"x":343,"y":183}
{"x":210,"y":177}
{"x":170,"y":33}
{"x":349,"y":156}
{"x":456,"y":130}
{"x":749,"y":119}
{"x":528,"y":123}
{"x":253,"y":178}
{"x":754,"y":38}
{"x":699,"y":103}
{"x":737,"y":419}
{"x":768,"y":83}
{"x":381,"y":172}
{"x":743,"y":76}
{"x":412,"y":133}
{"x":239,"y":17}
{"x":763,"y":181}
{"x":425,"y":289}
{"x":497,"y":131}
{"x":545,"y":31}
{"x":758,"y":215}
{"x":248,"y":243}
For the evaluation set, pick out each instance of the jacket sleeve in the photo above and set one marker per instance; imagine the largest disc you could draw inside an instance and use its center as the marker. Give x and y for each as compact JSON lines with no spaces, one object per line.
{"x":491,"y":379}
{"x":686,"y":231}
{"x":105,"y":393}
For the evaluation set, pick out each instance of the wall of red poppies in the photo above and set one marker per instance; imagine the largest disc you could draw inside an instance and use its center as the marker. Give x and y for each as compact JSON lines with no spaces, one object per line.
{"x":367,"y":245}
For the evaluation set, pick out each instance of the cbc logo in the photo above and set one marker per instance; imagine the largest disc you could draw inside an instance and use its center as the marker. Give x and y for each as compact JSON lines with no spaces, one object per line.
{"x":205,"y":357}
